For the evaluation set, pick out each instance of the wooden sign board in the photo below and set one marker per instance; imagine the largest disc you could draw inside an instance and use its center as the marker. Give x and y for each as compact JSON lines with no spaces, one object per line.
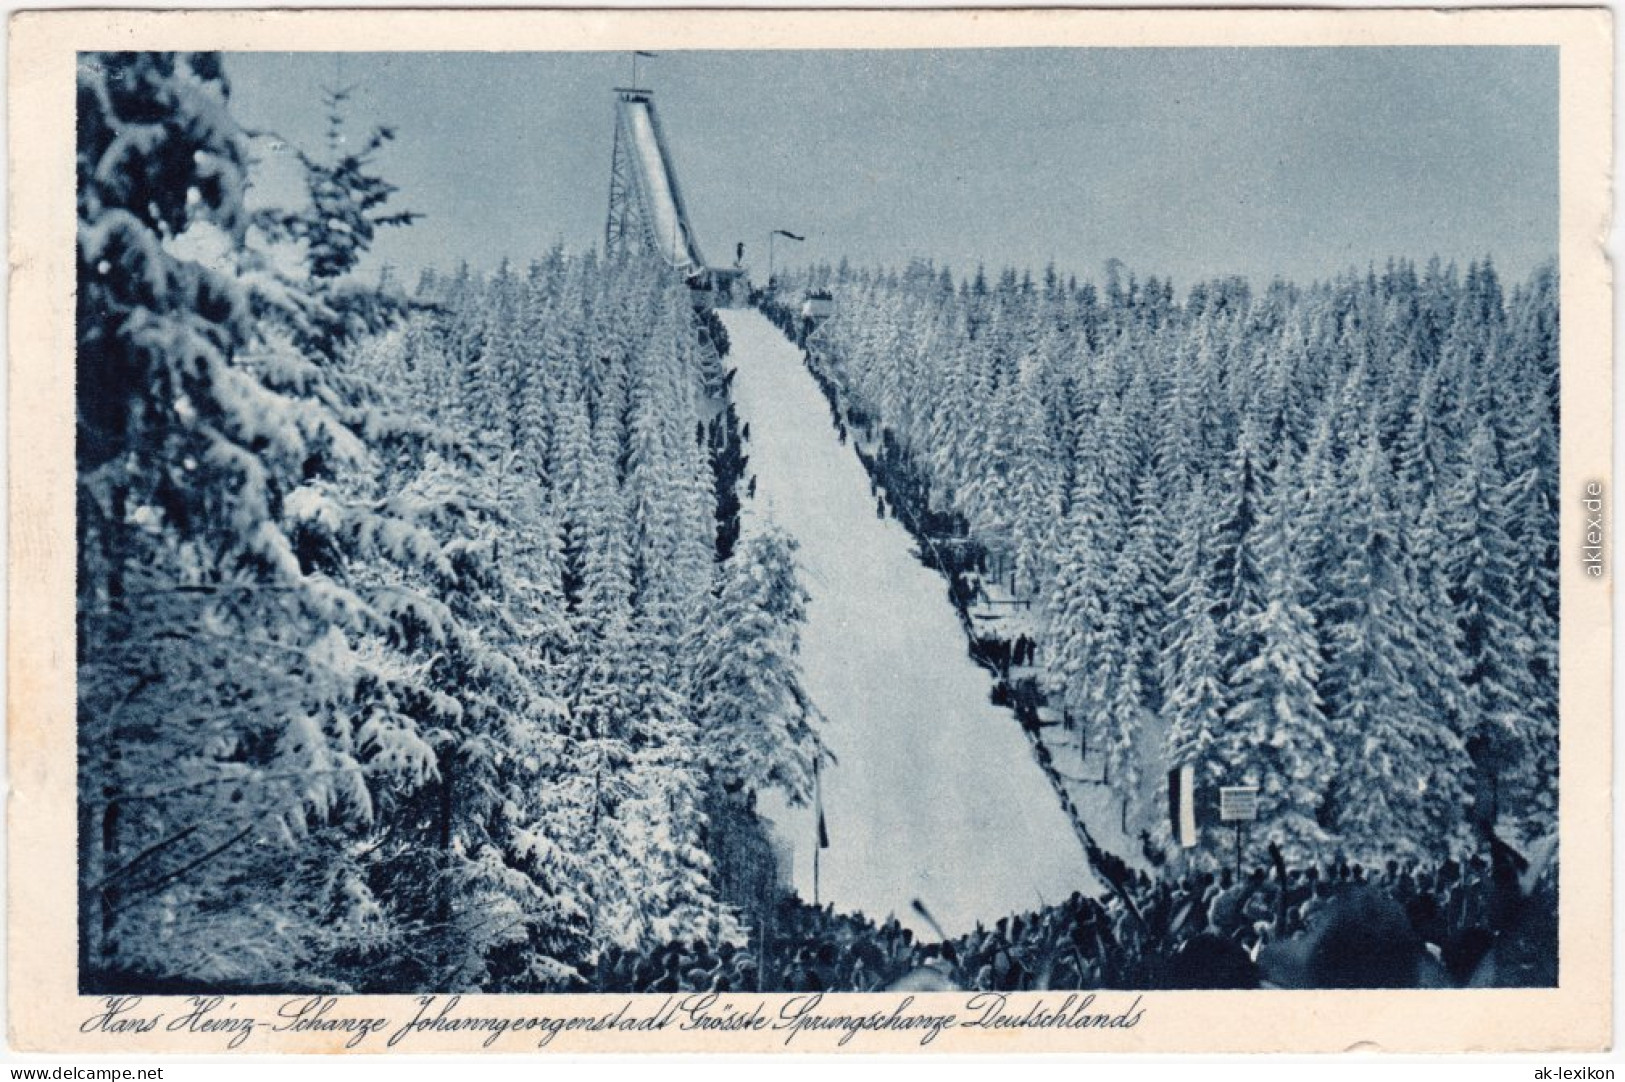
{"x":1238,"y":803}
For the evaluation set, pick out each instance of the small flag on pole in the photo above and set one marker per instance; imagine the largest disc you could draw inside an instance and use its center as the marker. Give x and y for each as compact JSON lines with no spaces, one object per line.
{"x":818,"y":803}
{"x":635,"y":54}
{"x":823,"y":831}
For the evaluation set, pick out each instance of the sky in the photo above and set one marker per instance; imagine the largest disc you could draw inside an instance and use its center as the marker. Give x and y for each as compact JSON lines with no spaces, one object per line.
{"x":1190,"y":163}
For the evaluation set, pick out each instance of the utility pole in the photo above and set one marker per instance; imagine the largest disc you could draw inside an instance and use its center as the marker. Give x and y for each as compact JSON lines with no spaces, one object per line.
{"x":818,"y":826}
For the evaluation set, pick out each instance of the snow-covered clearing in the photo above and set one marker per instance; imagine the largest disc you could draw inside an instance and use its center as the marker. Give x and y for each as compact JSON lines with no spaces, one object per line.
{"x":936,"y":794}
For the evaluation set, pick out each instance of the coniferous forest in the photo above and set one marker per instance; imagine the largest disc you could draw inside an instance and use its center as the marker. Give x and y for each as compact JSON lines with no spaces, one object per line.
{"x":411,"y":641}
{"x":424,"y":642}
{"x":1303,"y":538}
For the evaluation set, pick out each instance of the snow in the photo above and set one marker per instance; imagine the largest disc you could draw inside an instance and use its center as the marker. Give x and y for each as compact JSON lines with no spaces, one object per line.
{"x":936,"y":794}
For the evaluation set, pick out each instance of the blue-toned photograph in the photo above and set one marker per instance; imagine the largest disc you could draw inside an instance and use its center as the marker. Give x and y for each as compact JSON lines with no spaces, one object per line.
{"x":662,"y":522}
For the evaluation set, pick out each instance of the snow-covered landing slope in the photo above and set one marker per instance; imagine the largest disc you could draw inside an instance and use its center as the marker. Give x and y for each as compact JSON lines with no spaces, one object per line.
{"x":936,"y":795}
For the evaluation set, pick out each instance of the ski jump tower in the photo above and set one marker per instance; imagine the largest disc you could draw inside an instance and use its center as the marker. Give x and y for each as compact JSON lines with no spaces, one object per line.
{"x":646,"y":210}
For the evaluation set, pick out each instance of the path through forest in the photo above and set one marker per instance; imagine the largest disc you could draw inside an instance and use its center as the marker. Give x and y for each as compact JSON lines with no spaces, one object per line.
{"x":936,"y":794}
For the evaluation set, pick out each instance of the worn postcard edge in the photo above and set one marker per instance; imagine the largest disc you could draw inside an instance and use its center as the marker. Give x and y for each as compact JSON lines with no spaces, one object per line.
{"x":47,"y":1014}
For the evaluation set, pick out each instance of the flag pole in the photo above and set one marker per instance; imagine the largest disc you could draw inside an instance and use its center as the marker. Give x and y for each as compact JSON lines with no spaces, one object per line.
{"x":818,"y":826}
{"x":635,"y":54}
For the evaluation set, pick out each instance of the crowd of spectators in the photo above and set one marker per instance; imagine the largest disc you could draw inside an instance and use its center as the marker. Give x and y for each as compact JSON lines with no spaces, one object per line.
{"x":1482,"y":922}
